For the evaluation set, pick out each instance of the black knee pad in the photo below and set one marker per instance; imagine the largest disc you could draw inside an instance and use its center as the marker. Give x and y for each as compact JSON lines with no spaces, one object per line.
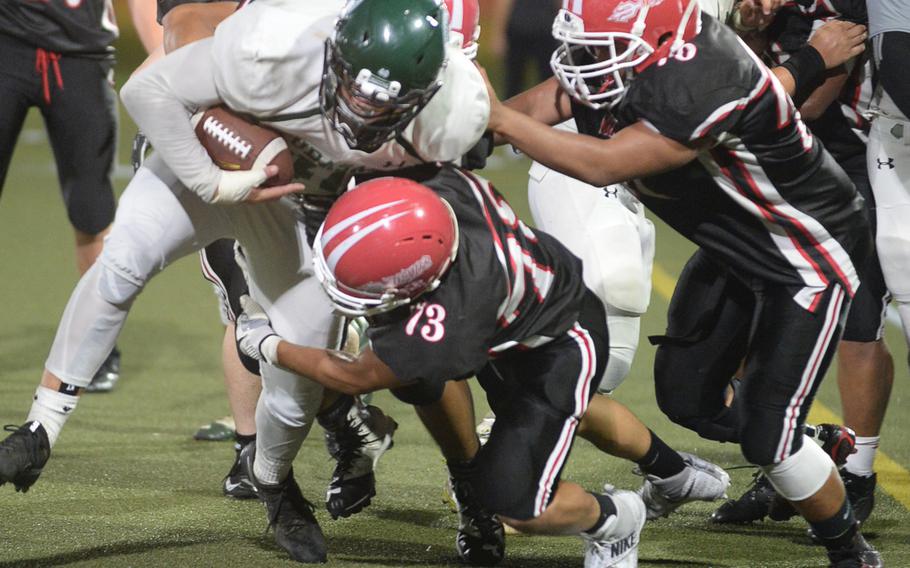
{"x":420,"y":394}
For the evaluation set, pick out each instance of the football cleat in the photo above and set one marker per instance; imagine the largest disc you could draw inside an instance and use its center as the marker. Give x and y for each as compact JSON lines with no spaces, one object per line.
{"x":23,"y":455}
{"x":290,"y":514}
{"x":238,"y":483}
{"x":108,"y":374}
{"x":217,"y":431}
{"x":701,"y":480}
{"x":616,"y":543}
{"x":480,"y":540}
{"x":753,"y":505}
{"x":357,"y":446}
{"x":860,"y":554}
{"x":861,"y":492}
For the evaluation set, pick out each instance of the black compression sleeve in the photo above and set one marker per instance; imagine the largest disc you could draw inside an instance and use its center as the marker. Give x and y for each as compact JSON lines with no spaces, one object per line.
{"x":808,"y":70}
{"x":892,"y":70}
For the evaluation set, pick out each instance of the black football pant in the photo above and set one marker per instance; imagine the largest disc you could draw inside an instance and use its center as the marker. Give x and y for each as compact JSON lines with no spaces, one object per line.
{"x":77,"y":100}
{"x":717,"y":322}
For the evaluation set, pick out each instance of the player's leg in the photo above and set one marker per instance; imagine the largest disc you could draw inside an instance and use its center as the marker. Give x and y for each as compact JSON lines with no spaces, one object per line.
{"x":708,"y":327}
{"x":865,"y":373}
{"x":789,"y":354}
{"x":82,"y":125}
{"x":606,"y":228}
{"x":540,"y":396}
{"x":888,"y":154}
{"x":154,"y":226}
{"x":19,"y":89}
{"x":241,"y":373}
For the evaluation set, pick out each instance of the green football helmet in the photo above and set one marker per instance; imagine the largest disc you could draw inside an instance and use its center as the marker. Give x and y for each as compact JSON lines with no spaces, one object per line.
{"x":382,"y":65}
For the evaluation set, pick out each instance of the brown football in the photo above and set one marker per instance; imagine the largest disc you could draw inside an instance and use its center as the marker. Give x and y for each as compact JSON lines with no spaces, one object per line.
{"x":235,"y":143}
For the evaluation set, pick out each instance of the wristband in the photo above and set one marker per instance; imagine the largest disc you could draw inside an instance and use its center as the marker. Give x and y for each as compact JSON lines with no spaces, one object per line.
{"x":808,"y":70}
{"x":269,"y":349}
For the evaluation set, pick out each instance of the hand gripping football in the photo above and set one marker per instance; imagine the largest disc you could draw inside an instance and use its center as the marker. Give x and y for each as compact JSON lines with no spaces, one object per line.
{"x":234,"y":143}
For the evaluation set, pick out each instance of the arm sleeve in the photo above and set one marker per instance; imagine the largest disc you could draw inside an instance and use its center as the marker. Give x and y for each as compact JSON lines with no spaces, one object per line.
{"x":162,"y":98}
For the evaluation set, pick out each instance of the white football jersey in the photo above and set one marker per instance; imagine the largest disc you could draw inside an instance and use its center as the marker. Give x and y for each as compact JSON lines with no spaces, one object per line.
{"x":267,"y":61}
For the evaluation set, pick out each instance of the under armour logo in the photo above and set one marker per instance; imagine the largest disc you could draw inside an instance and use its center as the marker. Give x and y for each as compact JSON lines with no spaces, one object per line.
{"x":889,"y":162}
{"x":611,"y":192}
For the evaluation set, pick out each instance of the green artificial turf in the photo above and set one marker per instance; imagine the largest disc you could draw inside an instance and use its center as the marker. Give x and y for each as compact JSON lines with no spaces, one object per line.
{"x":127,"y":486}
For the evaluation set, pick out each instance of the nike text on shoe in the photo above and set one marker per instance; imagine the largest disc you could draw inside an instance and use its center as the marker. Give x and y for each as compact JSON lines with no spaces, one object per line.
{"x":701,"y":480}
{"x":23,"y":455}
{"x":753,"y":505}
{"x":616,"y":543}
{"x":480,"y":540}
{"x":356,"y":446}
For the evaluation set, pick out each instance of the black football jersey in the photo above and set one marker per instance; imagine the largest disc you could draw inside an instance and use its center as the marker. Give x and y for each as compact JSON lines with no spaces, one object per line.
{"x":82,"y":27}
{"x":763,"y":196}
{"x":509,"y":288}
{"x":844,"y":125}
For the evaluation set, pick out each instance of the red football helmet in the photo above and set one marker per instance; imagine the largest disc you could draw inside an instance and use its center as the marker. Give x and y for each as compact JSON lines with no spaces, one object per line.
{"x":384,"y":243}
{"x":464,"y":24}
{"x":605,"y":42}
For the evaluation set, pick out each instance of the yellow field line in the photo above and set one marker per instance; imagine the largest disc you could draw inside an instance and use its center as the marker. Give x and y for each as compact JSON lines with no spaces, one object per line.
{"x":893,"y":478}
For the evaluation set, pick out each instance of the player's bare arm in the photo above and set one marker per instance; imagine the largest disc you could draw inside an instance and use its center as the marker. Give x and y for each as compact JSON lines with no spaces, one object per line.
{"x":336,"y":370}
{"x":546,"y":102}
{"x":636,"y":151}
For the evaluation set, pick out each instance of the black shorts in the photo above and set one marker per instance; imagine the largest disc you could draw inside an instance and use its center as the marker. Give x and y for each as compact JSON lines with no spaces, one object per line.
{"x":539,"y":396}
{"x":79,"y":107}
{"x":220,"y":267}
{"x":866,"y":320}
{"x":786,"y":348}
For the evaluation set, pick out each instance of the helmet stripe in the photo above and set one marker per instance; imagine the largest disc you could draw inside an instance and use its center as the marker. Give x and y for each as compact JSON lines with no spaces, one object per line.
{"x":333,"y":232}
{"x":349,"y":242}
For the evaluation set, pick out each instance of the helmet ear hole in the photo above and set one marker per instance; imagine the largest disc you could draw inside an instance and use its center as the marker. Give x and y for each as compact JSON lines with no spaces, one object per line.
{"x":365,"y":38}
{"x":664,"y":38}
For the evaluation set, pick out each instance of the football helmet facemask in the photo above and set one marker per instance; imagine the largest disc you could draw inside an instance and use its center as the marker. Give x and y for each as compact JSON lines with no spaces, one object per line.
{"x":382,"y":65}
{"x":606,"y":42}
{"x":383,"y":244}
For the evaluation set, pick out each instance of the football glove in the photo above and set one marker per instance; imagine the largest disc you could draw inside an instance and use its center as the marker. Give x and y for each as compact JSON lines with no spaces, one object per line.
{"x":255,"y":336}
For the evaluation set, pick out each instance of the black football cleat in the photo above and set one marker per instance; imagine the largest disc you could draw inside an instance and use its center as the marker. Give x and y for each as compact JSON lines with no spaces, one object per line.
{"x":753,"y":505}
{"x":859,"y":554}
{"x":480,"y":540}
{"x":291,"y":515}
{"x":238,"y":483}
{"x":357,"y":445}
{"x":108,"y":375}
{"x":23,"y":455}
{"x":861,"y":492}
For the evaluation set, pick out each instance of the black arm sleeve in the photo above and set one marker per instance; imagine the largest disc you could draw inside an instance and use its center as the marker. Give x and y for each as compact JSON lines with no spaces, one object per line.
{"x":893,"y":69}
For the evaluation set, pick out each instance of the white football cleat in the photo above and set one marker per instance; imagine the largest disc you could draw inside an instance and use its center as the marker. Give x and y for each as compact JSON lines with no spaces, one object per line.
{"x":616,"y":543}
{"x":700,"y":481}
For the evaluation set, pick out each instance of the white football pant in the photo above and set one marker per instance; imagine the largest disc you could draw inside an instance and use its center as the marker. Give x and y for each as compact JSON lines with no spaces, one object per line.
{"x":606,"y":228}
{"x":159,"y":221}
{"x":888,"y":158}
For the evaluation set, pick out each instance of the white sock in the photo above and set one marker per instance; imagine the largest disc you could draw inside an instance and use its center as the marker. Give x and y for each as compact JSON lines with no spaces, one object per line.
{"x":51,"y":408}
{"x":861,"y":462}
